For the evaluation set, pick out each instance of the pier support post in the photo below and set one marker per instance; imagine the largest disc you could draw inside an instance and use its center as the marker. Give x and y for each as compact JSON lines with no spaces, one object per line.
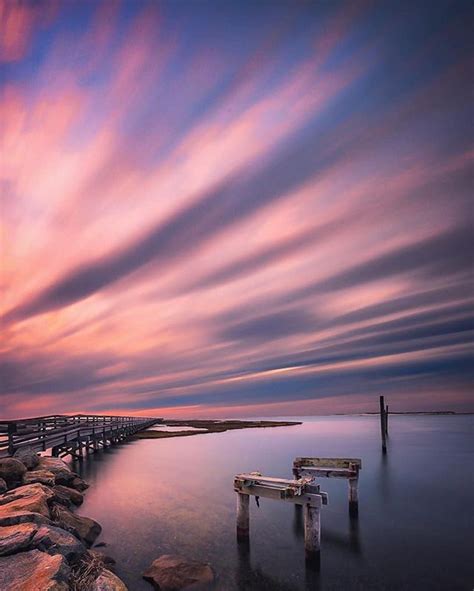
{"x":386,"y":420}
{"x":312,"y":533}
{"x":353,"y":497}
{"x":243,"y":517}
{"x":383,"y":428}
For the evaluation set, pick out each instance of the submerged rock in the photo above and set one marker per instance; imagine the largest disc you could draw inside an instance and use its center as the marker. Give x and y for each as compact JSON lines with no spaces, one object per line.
{"x":12,"y":470}
{"x":173,"y":573}
{"x":67,"y":496}
{"x":42,"y":476}
{"x":55,"y":540}
{"x":28,"y":457}
{"x":107,"y":581}
{"x":84,"y":528}
{"x":34,"y":571}
{"x":14,"y":538}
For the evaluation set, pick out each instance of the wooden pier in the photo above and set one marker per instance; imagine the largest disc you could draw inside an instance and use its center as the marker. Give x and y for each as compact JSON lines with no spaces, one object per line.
{"x":69,"y":435}
{"x":332,"y":468}
{"x":303,"y":492}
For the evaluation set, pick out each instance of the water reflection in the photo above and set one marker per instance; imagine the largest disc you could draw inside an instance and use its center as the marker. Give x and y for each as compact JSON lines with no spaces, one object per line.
{"x":176,"y":496}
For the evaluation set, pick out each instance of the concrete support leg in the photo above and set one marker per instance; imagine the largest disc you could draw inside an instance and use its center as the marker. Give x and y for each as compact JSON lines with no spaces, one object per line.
{"x":312,"y":533}
{"x":353,"y":497}
{"x":243,"y":516}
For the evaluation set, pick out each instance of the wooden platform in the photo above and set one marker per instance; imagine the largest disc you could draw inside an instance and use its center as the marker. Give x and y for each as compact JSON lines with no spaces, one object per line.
{"x":65,"y":434}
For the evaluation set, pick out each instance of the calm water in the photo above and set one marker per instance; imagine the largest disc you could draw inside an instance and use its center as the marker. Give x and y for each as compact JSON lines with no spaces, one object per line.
{"x":415,"y":526}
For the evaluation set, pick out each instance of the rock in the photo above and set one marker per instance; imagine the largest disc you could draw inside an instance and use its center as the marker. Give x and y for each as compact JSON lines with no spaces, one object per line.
{"x":53,"y":465}
{"x":41,"y":476}
{"x":84,"y":528}
{"x":55,"y":540}
{"x":11,"y":470}
{"x":28,"y":457}
{"x":14,"y":517}
{"x":79,"y":484}
{"x":67,"y":496}
{"x":14,"y":538}
{"x":34,"y":571}
{"x":173,"y":573}
{"x":107,"y":581}
{"x":3,"y":486}
{"x":33,"y":498}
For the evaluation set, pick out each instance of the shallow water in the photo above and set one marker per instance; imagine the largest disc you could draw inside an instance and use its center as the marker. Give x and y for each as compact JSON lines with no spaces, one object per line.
{"x":415,"y":525}
{"x":173,"y":429}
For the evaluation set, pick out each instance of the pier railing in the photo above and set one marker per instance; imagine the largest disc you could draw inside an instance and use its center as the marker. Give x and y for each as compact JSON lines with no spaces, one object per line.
{"x":71,"y":434}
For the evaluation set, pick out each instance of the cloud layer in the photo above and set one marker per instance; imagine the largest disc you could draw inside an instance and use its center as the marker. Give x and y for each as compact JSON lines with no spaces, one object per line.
{"x":258,"y":210}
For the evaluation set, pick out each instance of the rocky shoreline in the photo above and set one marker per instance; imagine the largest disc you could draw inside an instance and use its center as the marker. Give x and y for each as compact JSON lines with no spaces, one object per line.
{"x":45,"y":546}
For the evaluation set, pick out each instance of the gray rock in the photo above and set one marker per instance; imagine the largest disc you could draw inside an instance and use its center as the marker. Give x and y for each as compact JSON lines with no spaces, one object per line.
{"x":34,"y":571}
{"x":173,"y":573}
{"x":14,"y":538}
{"x":28,"y":457}
{"x":11,"y":470}
{"x":55,"y":540}
{"x":107,"y":581}
{"x":3,"y":486}
{"x":84,"y":528}
{"x":42,"y":476}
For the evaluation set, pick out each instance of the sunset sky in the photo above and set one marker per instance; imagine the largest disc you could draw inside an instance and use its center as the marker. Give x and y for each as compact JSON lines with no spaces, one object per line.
{"x":235,"y":208}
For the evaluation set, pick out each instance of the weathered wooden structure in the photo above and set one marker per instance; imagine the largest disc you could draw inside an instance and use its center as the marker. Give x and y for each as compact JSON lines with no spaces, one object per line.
{"x":64,"y":434}
{"x":332,"y":468}
{"x":383,"y":423}
{"x":302,"y":492}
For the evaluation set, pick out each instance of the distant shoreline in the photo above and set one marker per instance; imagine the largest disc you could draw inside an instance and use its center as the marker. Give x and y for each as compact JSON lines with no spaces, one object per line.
{"x":204,"y":427}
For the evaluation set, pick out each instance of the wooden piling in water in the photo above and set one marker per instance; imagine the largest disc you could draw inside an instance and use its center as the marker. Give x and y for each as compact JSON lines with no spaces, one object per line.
{"x":243,"y":516}
{"x":353,"y":497}
{"x":383,"y":428}
{"x":386,"y":420}
{"x":312,"y":532}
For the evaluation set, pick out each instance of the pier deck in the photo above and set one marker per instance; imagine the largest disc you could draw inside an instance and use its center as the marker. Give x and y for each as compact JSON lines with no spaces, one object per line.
{"x":65,"y":434}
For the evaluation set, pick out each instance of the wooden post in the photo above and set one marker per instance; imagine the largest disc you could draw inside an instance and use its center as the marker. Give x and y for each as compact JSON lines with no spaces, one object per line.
{"x":312,"y":533}
{"x":386,"y":420}
{"x":382,"y":425}
{"x":353,"y":497}
{"x":243,"y":517}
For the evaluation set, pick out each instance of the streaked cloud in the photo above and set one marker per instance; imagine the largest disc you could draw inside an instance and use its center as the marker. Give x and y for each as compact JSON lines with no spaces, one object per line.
{"x":257,"y":210}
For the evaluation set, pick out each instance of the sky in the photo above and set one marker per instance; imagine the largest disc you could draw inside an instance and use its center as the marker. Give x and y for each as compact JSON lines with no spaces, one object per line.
{"x":223,"y":209}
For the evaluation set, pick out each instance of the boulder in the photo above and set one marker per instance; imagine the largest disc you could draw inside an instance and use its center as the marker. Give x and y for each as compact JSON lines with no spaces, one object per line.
{"x":53,"y":465}
{"x":79,"y":484}
{"x":84,"y":528}
{"x":34,"y":571}
{"x":33,"y":498}
{"x":28,"y":457}
{"x":107,"y":581}
{"x":9,"y":516}
{"x":14,"y":538}
{"x":42,"y":476}
{"x":67,"y":496}
{"x":11,"y":470}
{"x":55,"y":540}
{"x":3,"y":486}
{"x":173,"y":573}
